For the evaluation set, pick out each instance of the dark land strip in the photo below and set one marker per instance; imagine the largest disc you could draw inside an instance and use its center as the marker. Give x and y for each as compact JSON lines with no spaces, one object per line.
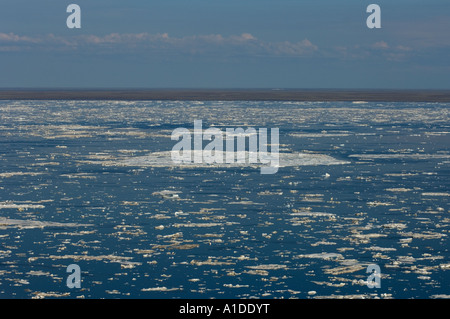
{"x":228,"y":95}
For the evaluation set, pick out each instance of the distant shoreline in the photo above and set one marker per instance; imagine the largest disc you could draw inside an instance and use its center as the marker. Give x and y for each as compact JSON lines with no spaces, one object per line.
{"x":229,"y":95}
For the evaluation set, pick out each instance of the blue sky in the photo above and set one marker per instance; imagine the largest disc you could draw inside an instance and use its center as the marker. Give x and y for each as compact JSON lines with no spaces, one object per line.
{"x":225,"y":44}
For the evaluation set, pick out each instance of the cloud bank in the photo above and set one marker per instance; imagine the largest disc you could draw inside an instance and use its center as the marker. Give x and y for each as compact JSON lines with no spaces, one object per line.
{"x":216,"y":46}
{"x":161,"y":43}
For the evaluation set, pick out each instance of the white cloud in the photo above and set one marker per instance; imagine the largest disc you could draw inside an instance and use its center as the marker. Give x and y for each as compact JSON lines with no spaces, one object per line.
{"x":380,"y":45}
{"x":377,"y":50}
{"x":11,"y":37}
{"x":247,"y":36}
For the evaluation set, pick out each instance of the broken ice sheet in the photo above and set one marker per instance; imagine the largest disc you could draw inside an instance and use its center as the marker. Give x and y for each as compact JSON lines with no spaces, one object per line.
{"x":164,"y":159}
{"x":167,"y":194}
{"x":386,"y":203}
{"x":323,"y":255}
{"x":11,"y":174}
{"x":27,"y":224}
{"x":4,"y":205}
{"x":161,"y":289}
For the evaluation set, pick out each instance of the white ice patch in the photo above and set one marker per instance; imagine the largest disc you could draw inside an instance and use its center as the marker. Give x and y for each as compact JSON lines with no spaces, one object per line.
{"x":267,"y":267}
{"x":323,"y":255}
{"x":313,"y":214}
{"x":5,"y":205}
{"x":435,"y":194}
{"x":6,"y":222}
{"x":401,"y":156}
{"x":164,"y":159}
{"x":161,"y":289}
{"x":319,"y":134}
{"x":11,"y":174}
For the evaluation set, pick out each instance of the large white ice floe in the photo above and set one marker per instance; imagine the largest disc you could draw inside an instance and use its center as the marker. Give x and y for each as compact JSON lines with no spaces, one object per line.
{"x":7,"y":222}
{"x":164,"y":159}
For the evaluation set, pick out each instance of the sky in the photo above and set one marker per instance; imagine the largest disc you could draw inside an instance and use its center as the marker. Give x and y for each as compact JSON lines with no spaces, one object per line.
{"x":225,"y":44}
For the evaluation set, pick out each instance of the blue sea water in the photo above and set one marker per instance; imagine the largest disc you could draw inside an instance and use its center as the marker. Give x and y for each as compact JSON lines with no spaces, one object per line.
{"x":76,"y":187}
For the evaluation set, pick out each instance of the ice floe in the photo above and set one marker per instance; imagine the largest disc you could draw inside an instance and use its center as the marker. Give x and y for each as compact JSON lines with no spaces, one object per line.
{"x":26,"y":224}
{"x":164,"y":159}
